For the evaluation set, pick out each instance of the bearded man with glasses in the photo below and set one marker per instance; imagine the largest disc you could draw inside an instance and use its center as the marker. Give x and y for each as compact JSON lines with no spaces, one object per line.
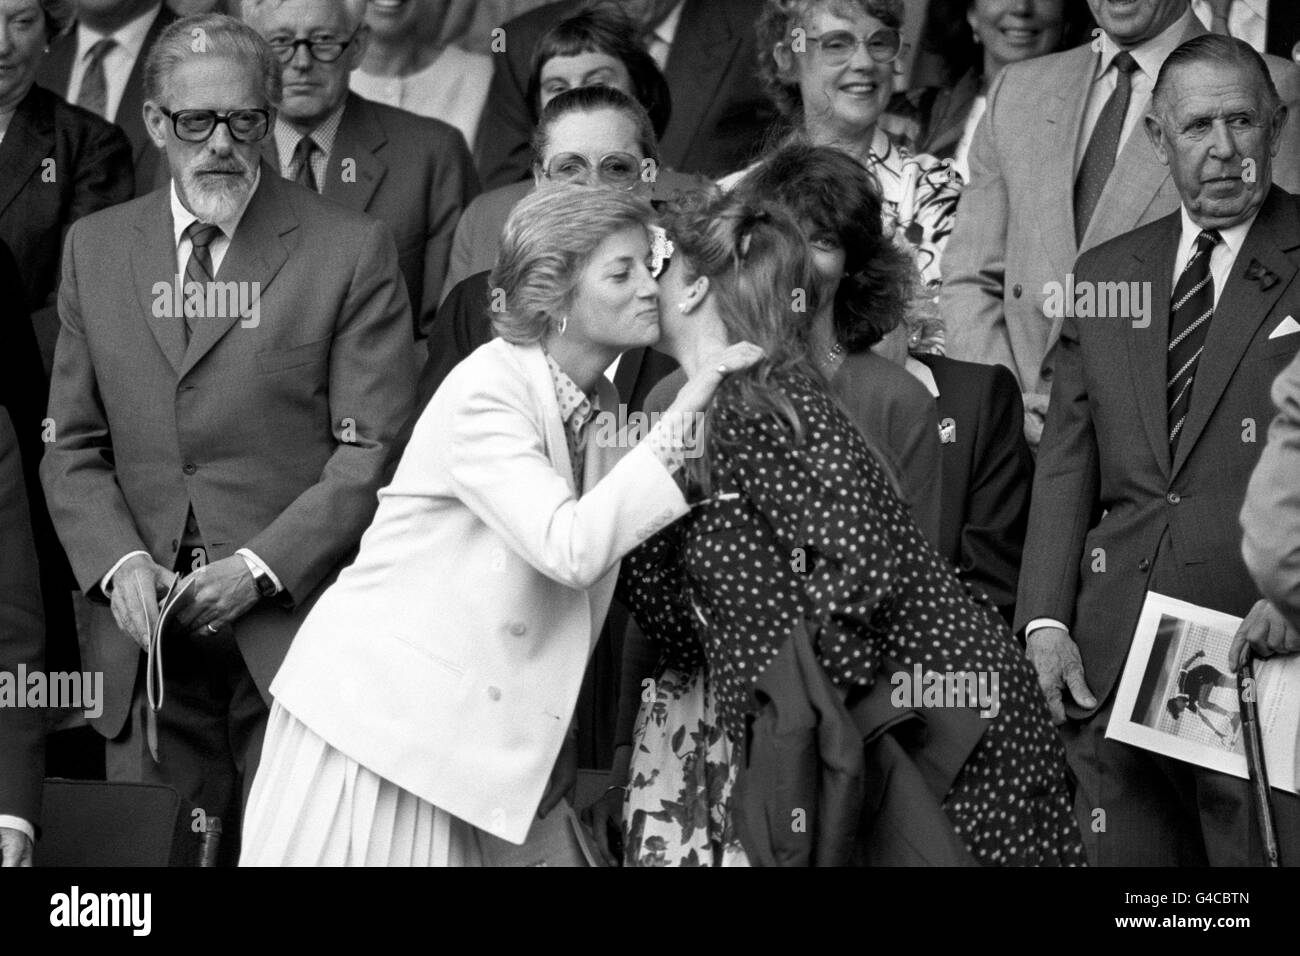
{"x":232,"y":368}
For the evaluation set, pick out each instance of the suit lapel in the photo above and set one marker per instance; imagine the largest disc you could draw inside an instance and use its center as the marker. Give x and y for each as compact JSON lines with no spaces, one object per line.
{"x":359,"y":139}
{"x":153,"y":260}
{"x":1062,"y":121}
{"x":951,"y":108}
{"x":1148,"y":346}
{"x":533,"y":360}
{"x":255,"y":256}
{"x":28,"y":142}
{"x":1243,"y":306}
{"x":702,"y":49}
{"x":1130,"y":190}
{"x":629,"y":369}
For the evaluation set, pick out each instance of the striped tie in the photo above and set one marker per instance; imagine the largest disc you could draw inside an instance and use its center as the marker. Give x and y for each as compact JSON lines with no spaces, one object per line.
{"x":1189,"y":323}
{"x":199,"y":268}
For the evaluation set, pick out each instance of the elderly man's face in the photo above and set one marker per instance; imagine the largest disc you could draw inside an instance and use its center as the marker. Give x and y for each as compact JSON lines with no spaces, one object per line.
{"x":312,"y":89}
{"x":1130,"y":22}
{"x":1214,"y":132}
{"x":215,"y":177}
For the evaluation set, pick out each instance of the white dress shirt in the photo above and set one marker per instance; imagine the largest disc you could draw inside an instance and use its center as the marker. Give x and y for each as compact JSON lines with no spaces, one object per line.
{"x":1149,"y":56}
{"x":118,"y":62}
{"x":660,"y":43}
{"x":1222,"y":258}
{"x":182,"y":219}
{"x":1247,"y":20}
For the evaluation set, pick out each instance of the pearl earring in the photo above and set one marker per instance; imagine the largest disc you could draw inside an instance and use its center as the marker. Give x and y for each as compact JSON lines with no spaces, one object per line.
{"x":681,"y":307}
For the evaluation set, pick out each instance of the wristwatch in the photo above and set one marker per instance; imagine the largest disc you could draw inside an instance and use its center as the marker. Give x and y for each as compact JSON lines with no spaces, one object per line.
{"x":265,"y":586}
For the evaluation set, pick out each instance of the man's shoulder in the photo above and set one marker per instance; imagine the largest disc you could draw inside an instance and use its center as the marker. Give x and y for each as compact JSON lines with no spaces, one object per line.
{"x":1029,"y":78}
{"x":407,"y":130}
{"x":497,"y":203}
{"x":1124,"y":245}
{"x":110,"y":224}
{"x":70,"y":119}
{"x":1286,"y":77}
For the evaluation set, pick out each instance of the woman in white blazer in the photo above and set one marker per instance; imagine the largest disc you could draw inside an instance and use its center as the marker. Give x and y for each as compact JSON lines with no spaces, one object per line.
{"x":427,"y":696}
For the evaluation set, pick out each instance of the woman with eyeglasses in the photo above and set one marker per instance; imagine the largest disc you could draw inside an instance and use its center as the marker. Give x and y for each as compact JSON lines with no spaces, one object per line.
{"x":829,"y":66}
{"x":423,"y":714}
{"x":794,"y":522}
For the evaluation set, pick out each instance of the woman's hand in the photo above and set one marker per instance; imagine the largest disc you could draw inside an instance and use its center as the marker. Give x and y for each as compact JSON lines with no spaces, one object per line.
{"x":697,"y":393}
{"x":605,"y":816}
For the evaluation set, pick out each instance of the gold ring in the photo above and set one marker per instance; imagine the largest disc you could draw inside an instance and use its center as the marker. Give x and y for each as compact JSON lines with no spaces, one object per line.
{"x":211,"y":629}
{"x":722,"y":370}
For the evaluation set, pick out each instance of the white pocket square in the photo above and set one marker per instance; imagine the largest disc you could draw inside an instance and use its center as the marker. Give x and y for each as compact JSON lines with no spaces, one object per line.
{"x":1285,"y":327}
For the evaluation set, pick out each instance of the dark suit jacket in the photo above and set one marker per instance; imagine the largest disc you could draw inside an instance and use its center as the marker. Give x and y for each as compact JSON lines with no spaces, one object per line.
{"x":931,"y":119}
{"x":987,"y":473}
{"x":1283,"y":31}
{"x":275,"y":434}
{"x":413,"y":173}
{"x":22,"y":637}
{"x":56,"y":71}
{"x":719,"y":109}
{"x":1106,"y":493}
{"x":60,"y":162}
{"x":1271,"y":515}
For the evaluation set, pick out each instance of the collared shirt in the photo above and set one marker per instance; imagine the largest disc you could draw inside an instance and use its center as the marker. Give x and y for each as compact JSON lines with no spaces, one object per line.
{"x":1223,"y":255}
{"x":118,"y":62}
{"x":1247,"y":20}
{"x":453,"y":88}
{"x":660,"y":42}
{"x":287,"y":139}
{"x":182,"y":218}
{"x":576,"y":410}
{"x":1149,"y":55}
{"x":6,"y":117}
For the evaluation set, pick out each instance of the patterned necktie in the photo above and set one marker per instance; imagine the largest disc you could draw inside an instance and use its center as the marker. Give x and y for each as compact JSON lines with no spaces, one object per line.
{"x":1189,"y":323}
{"x":1099,"y":158}
{"x":93,"y":94}
{"x":1219,"y":16}
{"x":302,"y":154}
{"x":199,"y":267}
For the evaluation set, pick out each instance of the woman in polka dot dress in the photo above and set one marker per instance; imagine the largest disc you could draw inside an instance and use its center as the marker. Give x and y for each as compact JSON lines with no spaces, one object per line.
{"x":793,"y":518}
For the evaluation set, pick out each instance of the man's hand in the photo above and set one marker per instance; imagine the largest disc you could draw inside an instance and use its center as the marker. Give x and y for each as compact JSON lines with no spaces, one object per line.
{"x":222,"y":593}
{"x":1056,"y":659}
{"x":1035,"y":417}
{"x":136,"y":587}
{"x":564,"y":777}
{"x":15,"y":848}
{"x":1265,"y":632}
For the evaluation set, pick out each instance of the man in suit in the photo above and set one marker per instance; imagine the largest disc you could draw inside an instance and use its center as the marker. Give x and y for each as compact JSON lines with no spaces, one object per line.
{"x":1059,"y":165}
{"x":1267,"y":27}
{"x":1271,"y":514}
{"x":242,"y":444}
{"x":705,"y":49}
{"x":99,"y":66}
{"x":413,"y":173}
{"x":22,"y":643}
{"x":1149,"y":444}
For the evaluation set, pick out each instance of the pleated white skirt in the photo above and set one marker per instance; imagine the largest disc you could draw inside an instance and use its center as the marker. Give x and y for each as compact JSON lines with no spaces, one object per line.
{"x":311,"y":805}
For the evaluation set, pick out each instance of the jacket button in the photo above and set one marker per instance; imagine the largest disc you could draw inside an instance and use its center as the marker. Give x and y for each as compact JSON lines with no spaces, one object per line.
{"x":518,"y":628}
{"x":189,"y":468}
{"x":1173,"y":498}
{"x":1144,"y":565}
{"x":1016,"y":290}
{"x":494,"y":693}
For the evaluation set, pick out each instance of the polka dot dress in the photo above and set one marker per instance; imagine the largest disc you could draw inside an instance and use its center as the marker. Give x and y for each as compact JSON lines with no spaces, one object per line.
{"x":814,"y":530}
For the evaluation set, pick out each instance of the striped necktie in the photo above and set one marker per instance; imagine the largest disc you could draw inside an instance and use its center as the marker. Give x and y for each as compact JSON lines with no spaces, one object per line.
{"x":1189,"y":323}
{"x":199,"y":267}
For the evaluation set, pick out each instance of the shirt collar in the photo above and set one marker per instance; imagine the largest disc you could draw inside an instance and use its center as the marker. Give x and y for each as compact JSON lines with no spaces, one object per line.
{"x":575,"y":407}
{"x":1233,"y":236}
{"x":666,"y":31}
{"x":287,"y":138}
{"x":923,"y":374}
{"x":182,"y":217}
{"x":1150,"y":54}
{"x":130,"y":36}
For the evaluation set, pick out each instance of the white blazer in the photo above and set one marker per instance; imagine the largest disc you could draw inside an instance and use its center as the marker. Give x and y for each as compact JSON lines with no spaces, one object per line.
{"x":448,"y":657}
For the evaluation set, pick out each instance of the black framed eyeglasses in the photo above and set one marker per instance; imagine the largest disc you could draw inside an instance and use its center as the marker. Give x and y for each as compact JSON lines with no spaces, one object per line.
{"x":838,"y":46}
{"x":622,"y":170}
{"x":197,"y":126}
{"x":322,"y":51}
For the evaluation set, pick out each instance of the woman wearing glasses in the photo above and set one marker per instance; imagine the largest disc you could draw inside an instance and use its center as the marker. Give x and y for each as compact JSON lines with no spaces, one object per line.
{"x":829,"y":66}
{"x":422,"y":715}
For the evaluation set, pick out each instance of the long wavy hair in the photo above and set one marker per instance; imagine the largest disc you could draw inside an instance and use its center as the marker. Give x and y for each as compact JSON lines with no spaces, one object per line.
{"x":761,"y":279}
{"x":831,"y":191}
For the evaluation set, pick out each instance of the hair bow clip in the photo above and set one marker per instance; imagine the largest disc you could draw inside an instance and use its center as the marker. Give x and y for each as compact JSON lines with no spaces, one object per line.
{"x":661,"y":250}
{"x":1256,"y":272}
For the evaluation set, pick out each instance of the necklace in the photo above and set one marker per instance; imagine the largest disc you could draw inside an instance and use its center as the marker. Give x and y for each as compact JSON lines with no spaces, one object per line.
{"x":834,"y":354}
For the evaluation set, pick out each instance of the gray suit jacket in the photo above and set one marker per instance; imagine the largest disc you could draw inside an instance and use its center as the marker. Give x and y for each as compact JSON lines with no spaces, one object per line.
{"x":1271,"y":516}
{"x":276,"y":434}
{"x":416,"y":175}
{"x":1112,"y":515}
{"x":1014,"y":229}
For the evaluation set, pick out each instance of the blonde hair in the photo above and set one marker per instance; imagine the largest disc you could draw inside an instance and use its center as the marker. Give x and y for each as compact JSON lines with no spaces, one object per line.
{"x":547,"y":241}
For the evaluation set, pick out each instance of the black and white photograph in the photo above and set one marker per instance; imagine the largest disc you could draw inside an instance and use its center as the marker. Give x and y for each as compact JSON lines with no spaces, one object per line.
{"x":650,"y":433}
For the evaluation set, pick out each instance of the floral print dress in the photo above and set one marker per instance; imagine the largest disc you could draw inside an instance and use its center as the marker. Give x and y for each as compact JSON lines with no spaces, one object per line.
{"x":812,"y":529}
